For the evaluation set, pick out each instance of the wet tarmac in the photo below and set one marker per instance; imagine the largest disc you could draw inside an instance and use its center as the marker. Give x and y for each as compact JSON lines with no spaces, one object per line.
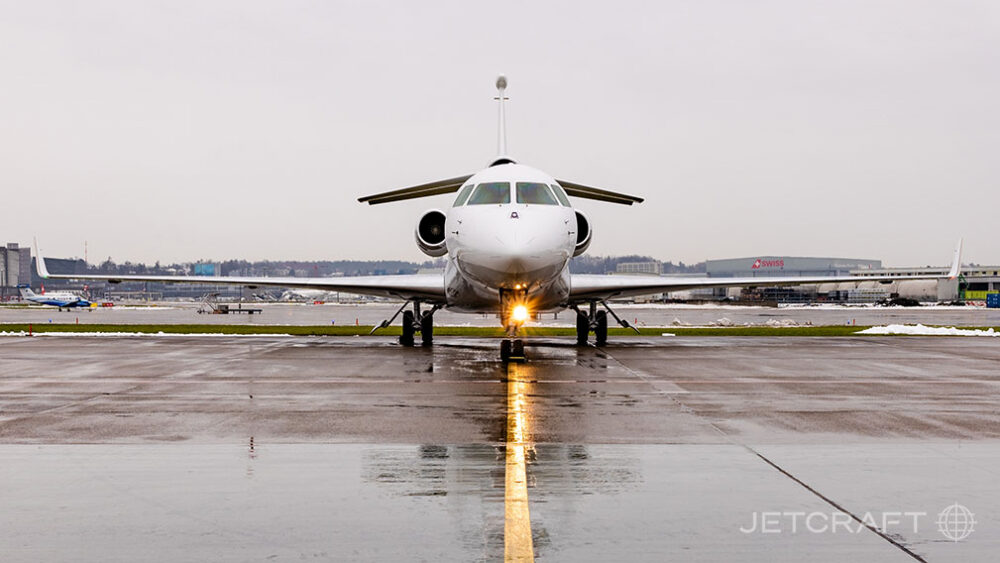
{"x":697,"y":449}
{"x":640,"y":314}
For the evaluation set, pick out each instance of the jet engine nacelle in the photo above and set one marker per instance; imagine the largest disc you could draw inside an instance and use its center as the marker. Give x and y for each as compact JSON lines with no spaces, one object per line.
{"x":430,"y":233}
{"x":583,"y":234}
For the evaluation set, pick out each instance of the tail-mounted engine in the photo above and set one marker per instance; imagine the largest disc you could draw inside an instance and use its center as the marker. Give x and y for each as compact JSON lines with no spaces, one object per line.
{"x":430,"y":233}
{"x":583,"y":233}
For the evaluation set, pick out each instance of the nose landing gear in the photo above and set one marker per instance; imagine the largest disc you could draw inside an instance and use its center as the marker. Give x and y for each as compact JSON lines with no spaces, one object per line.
{"x":512,"y":350}
{"x":514,"y":313}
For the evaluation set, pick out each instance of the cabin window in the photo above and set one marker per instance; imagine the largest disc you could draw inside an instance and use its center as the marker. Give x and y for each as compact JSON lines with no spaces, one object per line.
{"x":463,"y":195}
{"x":534,"y":193}
{"x":491,"y":193}
{"x":561,"y":195}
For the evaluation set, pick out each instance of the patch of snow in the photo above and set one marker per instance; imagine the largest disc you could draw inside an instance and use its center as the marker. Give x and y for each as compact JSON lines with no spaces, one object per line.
{"x":921,"y":330}
{"x":783,"y":322}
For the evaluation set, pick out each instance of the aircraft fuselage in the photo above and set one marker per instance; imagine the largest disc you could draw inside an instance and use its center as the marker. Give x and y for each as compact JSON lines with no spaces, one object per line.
{"x":516,"y":247}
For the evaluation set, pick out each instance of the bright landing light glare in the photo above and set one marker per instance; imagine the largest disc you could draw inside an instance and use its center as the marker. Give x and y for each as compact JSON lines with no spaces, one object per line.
{"x":519,"y":314}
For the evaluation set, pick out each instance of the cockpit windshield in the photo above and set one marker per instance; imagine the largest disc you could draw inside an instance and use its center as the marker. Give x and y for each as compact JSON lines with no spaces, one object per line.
{"x":534,"y":192}
{"x":561,"y":195}
{"x":463,"y":195}
{"x":491,"y":193}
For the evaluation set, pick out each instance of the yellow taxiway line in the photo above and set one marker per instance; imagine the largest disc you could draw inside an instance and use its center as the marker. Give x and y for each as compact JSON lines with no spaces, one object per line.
{"x":517,"y":542}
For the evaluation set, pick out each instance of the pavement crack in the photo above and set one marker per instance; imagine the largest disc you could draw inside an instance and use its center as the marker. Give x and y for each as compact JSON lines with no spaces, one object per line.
{"x":835,"y":505}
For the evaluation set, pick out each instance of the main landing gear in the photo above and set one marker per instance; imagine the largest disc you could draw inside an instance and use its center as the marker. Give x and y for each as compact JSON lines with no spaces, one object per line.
{"x":413,"y":322}
{"x":596,"y":321}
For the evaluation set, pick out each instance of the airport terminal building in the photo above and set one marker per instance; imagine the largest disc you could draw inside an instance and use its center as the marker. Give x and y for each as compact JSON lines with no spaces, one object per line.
{"x":975,"y":283}
{"x":15,"y":268}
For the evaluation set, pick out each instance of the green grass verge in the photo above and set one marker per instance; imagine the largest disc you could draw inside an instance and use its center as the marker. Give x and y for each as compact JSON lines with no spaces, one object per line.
{"x":487,"y":332}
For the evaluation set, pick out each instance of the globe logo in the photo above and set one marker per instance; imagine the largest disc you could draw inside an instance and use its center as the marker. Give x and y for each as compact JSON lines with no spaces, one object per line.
{"x":956,"y":522}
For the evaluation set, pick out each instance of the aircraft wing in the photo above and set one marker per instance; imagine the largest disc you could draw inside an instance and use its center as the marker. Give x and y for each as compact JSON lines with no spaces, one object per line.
{"x":426,"y":287}
{"x":589,"y":287}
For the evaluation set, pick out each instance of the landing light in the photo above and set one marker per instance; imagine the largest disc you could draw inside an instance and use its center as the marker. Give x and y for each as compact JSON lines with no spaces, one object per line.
{"x":519,"y":314}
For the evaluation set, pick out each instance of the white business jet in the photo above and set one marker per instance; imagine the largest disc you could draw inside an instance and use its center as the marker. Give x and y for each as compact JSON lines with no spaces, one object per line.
{"x":508,"y":237}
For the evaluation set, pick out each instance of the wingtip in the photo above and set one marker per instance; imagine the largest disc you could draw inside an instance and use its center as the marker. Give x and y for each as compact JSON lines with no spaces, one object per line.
{"x":956,"y":264}
{"x":43,"y":272}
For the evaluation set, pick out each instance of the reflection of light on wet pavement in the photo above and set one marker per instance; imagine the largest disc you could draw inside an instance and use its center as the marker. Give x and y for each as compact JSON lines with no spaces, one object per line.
{"x":517,"y":520}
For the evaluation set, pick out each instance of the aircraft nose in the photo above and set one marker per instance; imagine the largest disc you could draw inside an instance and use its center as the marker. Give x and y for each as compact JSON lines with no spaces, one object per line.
{"x":512,"y":251}
{"x":519,"y":247}
{"x":518,"y":237}
{"x":523,"y":248}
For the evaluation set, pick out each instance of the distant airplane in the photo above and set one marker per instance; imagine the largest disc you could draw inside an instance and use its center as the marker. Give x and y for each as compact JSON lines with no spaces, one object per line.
{"x":508,"y":237}
{"x":60,"y":299}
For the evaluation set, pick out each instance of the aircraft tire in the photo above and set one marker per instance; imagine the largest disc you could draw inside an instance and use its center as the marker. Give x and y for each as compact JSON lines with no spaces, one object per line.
{"x":406,"y":339}
{"x":427,"y":329}
{"x":601,"y":332}
{"x":517,"y":349}
{"x":582,"y":329}
{"x":505,"y":350}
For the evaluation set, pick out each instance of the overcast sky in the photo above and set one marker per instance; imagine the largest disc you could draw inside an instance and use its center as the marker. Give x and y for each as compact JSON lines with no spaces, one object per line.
{"x":176,"y":131}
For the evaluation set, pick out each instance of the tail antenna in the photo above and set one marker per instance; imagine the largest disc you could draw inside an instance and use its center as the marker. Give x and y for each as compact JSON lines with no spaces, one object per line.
{"x":502,"y":130}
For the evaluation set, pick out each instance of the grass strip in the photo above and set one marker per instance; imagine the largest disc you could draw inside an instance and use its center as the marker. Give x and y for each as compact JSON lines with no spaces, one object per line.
{"x":469,"y":331}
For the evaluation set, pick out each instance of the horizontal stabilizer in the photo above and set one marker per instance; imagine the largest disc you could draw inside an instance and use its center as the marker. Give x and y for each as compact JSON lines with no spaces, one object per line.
{"x":579,"y":190}
{"x":423,"y":190}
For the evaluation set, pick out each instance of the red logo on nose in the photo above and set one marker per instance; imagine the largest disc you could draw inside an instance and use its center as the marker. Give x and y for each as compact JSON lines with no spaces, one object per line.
{"x":756,"y":265}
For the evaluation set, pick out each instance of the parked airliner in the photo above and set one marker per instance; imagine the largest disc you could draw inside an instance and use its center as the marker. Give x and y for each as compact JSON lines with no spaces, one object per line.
{"x":508,"y":237}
